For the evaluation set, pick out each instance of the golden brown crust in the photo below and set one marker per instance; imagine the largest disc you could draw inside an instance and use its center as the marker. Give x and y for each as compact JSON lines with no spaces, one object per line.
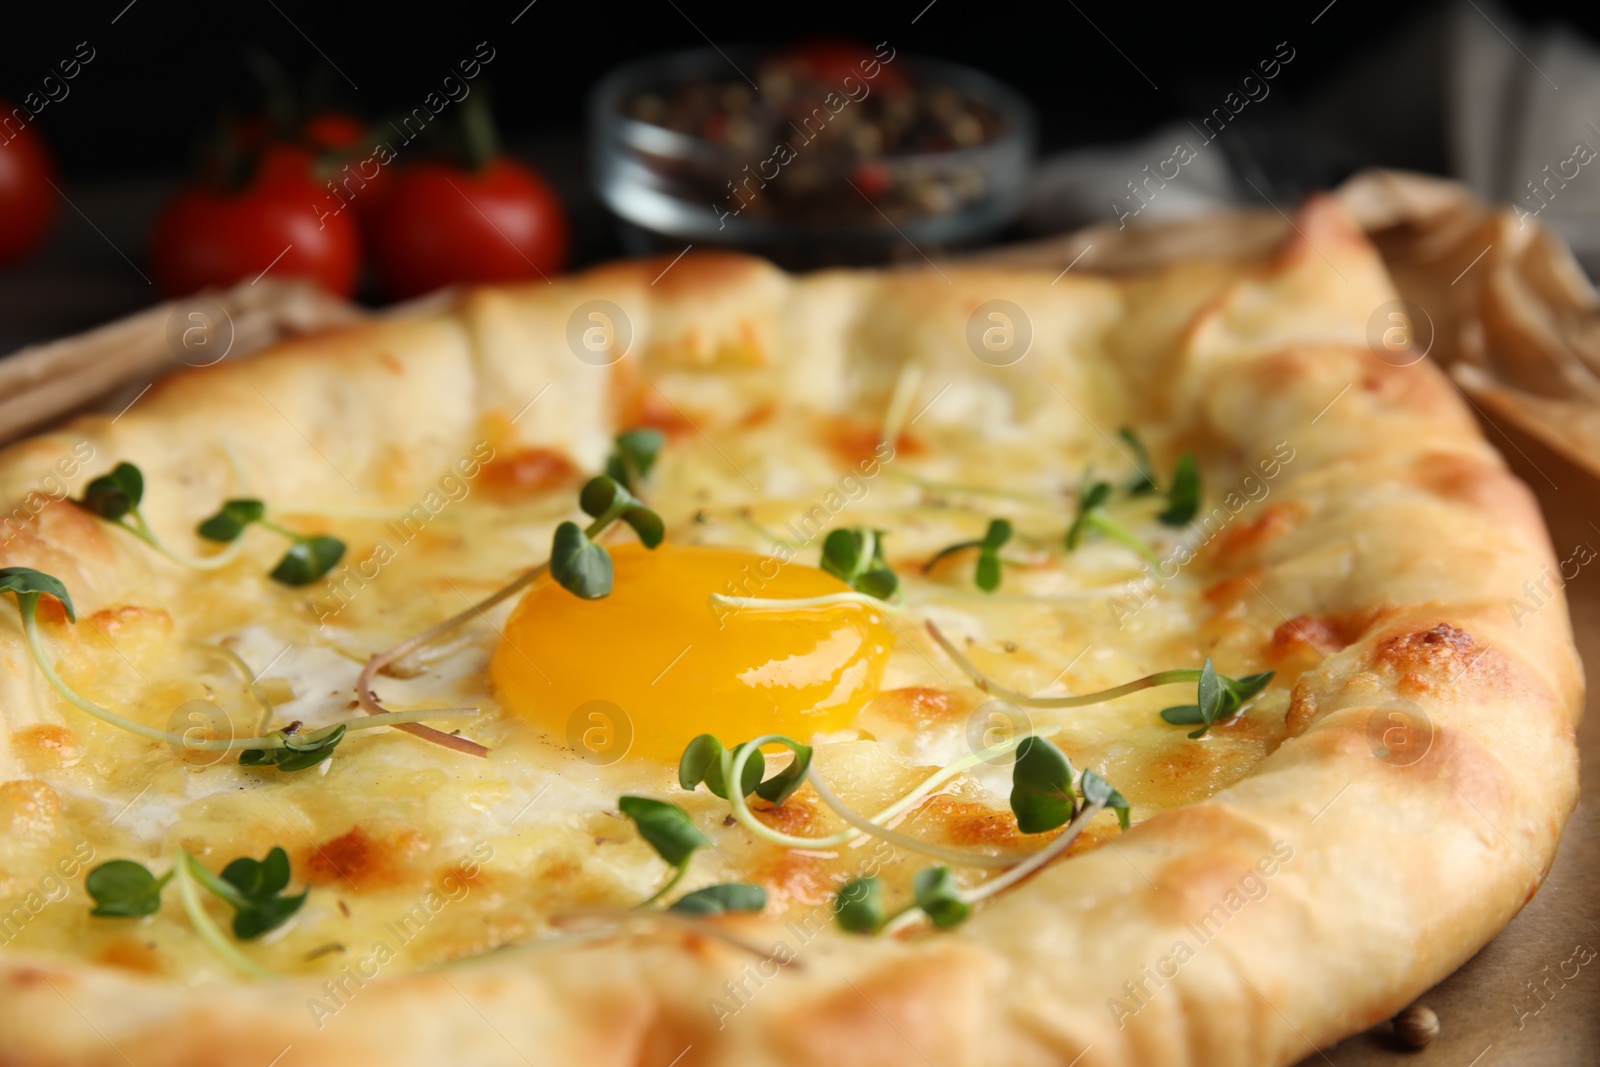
{"x":1338,"y":880}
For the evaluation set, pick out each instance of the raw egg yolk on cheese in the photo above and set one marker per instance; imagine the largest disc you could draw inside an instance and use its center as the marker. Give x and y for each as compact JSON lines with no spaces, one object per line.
{"x":647,"y":668}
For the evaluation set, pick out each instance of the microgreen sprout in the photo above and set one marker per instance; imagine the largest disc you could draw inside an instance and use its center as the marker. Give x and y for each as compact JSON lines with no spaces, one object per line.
{"x":938,"y":897}
{"x":254,"y":889}
{"x":1093,"y":518}
{"x":635,"y":454}
{"x":577,"y":561}
{"x":1099,"y":793}
{"x":988,"y":572}
{"x":295,"y":755}
{"x":1219,"y":695}
{"x":1183,"y":495}
{"x":1095,"y":497}
{"x":855,"y":554}
{"x":859,"y":906}
{"x":288,"y":751}
{"x":720,"y":899}
{"x":1041,"y":787}
{"x":123,"y":889}
{"x":667,"y":829}
{"x":1144,"y":477}
{"x":116,"y":498}
{"x":707,"y":761}
{"x":1043,"y":798}
{"x":231,"y":520}
{"x":310,"y":556}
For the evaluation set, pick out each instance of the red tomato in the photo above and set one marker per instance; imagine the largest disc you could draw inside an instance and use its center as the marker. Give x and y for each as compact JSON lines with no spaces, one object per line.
{"x":283,"y":219}
{"x":334,"y":129}
{"x":284,"y":163}
{"x":27,"y":202}
{"x":438,"y":224}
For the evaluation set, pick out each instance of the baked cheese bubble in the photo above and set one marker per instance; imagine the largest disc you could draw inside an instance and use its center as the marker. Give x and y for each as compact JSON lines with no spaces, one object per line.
{"x":676,"y":665}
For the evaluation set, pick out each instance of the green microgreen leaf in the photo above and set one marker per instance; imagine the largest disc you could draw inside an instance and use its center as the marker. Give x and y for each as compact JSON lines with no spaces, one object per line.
{"x":1248,"y":686}
{"x":602,"y":494}
{"x":634,"y":455}
{"x":666,"y":827}
{"x":988,"y":572}
{"x":29,"y":584}
{"x":260,"y":905}
{"x":706,"y":760}
{"x":697,"y":760}
{"x":228,"y":523}
{"x":1144,"y":479}
{"x":1210,"y":698}
{"x":781,"y":786}
{"x":582,"y":567}
{"x":718,"y":899}
{"x":1210,"y":706}
{"x":999,"y":532}
{"x":1041,"y":787}
{"x":859,"y":906}
{"x":879,"y":582}
{"x":125,"y":889}
{"x":841,"y":553}
{"x":754,"y":768}
{"x":855,"y":554}
{"x":308,"y":559}
{"x":1219,"y":697}
{"x":113,"y":495}
{"x":1183,"y":498}
{"x":1092,"y":497}
{"x":294,"y":755}
{"x":647,"y":524}
{"x":1096,"y":790}
{"x":604,"y":497}
{"x":937,"y":896}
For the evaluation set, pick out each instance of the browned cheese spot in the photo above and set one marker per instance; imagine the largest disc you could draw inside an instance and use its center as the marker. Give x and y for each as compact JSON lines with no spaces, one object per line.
{"x":527,"y":472}
{"x":362,"y":859}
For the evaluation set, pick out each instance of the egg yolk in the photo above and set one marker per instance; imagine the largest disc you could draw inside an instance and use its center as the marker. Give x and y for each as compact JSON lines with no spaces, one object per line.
{"x":644,"y":670}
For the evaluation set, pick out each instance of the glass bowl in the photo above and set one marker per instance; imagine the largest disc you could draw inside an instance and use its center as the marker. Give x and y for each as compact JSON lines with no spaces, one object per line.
{"x":684,"y":151}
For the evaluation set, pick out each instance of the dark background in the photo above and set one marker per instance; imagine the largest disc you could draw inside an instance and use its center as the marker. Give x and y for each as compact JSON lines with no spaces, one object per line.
{"x":164,"y":68}
{"x":1097,"y":72}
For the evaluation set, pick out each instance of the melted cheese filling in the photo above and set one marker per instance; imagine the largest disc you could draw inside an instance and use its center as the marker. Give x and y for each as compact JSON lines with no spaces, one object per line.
{"x":420,"y":855}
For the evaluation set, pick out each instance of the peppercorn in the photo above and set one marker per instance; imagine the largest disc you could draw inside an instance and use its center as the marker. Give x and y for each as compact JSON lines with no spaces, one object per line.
{"x":1416,"y":1026}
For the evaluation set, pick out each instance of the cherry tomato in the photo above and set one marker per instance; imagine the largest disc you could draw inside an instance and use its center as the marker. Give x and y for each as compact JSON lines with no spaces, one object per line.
{"x":350,"y":162}
{"x":283,"y":219}
{"x":334,"y":130}
{"x":326,"y":130}
{"x":438,"y":224}
{"x":27,"y":202}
